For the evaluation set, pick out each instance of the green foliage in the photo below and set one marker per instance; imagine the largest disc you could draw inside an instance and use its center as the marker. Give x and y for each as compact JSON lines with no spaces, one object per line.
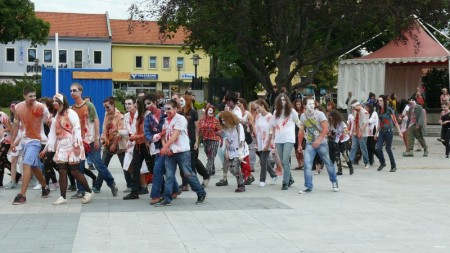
{"x":14,"y":90}
{"x":266,"y":37}
{"x":434,"y":81}
{"x":199,"y":105}
{"x":18,"y":21}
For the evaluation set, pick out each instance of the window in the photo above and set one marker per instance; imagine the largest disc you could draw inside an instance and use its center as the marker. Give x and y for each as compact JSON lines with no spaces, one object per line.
{"x":32,"y":55}
{"x":138,"y":62}
{"x":78,"y":56}
{"x":62,"y":56}
{"x":152,"y":62}
{"x":180,"y":63}
{"x":48,"y":56}
{"x":166,"y":62}
{"x":97,"y":57}
{"x":10,"y":55}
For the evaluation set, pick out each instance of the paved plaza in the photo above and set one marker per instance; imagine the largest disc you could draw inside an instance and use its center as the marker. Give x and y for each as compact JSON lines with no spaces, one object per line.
{"x":405,"y":211}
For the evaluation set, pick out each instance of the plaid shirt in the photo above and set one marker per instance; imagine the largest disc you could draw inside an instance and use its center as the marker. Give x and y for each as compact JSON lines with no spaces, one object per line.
{"x":208,"y":127}
{"x":152,"y":127}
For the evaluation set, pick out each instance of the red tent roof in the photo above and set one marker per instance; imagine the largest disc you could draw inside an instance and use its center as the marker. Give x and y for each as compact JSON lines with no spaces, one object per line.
{"x":422,"y":49}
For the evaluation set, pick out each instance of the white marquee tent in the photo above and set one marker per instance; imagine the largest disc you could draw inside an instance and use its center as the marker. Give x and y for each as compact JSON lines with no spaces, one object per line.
{"x":395,"y":68}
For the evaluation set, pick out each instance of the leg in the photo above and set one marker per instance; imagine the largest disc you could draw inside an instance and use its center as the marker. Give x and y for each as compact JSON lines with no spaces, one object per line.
{"x":171,"y":167}
{"x":309,"y":154}
{"x":411,"y":139}
{"x":323,"y":152}
{"x":62,"y":168}
{"x":379,"y":149}
{"x":363,"y":146}
{"x":183,"y":160}
{"x":102,"y":169}
{"x":388,"y":138}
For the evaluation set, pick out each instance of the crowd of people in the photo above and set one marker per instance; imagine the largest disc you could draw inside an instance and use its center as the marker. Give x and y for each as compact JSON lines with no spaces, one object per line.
{"x":155,"y":137}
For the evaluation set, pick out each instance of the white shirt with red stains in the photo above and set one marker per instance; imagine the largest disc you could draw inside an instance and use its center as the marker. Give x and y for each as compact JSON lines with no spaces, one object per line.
{"x":285,"y":127}
{"x":178,"y":122}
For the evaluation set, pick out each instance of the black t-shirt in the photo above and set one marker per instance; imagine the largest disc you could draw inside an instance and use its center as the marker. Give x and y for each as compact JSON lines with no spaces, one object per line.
{"x":191,"y":118}
{"x":446,"y":117}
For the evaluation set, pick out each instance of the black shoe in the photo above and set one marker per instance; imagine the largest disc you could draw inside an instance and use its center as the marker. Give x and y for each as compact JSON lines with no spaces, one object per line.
{"x":249,"y":180}
{"x":143,"y":190}
{"x":45,"y":192}
{"x":19,"y":200}
{"x":291,"y":182}
{"x":339,"y":173}
{"x":114,"y":189}
{"x":240,"y":188}
{"x":72,"y":188}
{"x":351,"y":170}
{"x":222,"y":182}
{"x":77,"y":195}
{"x":284,"y":187}
{"x":381,"y":166}
{"x":131,"y":195}
{"x":393,"y":169}
{"x":200,"y":199}
{"x":91,"y":167}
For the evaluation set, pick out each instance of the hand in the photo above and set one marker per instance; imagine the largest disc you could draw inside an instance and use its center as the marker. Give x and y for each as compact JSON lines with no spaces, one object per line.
{"x":299,"y":149}
{"x":112,"y":148}
{"x":359,"y":135}
{"x":266,"y":147}
{"x":156,"y":137}
{"x":42,"y":154}
{"x":196,"y":146}
{"x":77,"y":150}
{"x":96,"y":144}
{"x":400,"y":134}
{"x":316,"y":144}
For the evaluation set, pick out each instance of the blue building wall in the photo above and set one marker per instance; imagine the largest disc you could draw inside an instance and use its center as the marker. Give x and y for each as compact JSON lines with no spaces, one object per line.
{"x":97,"y":89}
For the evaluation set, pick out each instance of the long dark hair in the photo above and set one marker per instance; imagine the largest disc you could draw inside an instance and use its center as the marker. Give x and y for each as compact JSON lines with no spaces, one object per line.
{"x":140,"y":109}
{"x":279,"y":106}
{"x":335,"y":118}
{"x":385,"y":106}
{"x":64,"y":106}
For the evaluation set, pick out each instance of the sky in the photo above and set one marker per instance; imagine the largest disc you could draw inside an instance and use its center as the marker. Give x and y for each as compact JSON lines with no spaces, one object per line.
{"x":117,"y":9}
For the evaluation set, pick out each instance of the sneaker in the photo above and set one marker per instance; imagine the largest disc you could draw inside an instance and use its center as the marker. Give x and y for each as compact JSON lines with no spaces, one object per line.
{"x":45,"y":192}
{"x":222,"y":182}
{"x":87,"y":197}
{"x":61,"y":200}
{"x":262,"y":184}
{"x":131,"y":195}
{"x":114,"y":189}
{"x":201,"y":199}
{"x":72,"y":188}
{"x":393,"y":169}
{"x":284,"y":187}
{"x":445,"y":157}
{"x":291,"y":182}
{"x":78,"y":195}
{"x":335,"y":187}
{"x":143,"y":190}
{"x":37,"y":187}
{"x":418,"y":150}
{"x":153,"y":201}
{"x":240,"y":188}
{"x":274,"y":180}
{"x":91,"y":167}
{"x":205,"y":182}
{"x":11,"y":185}
{"x":381,"y":166}
{"x":366,"y":166}
{"x":339,"y":173}
{"x":249,"y":180}
{"x":306,"y":190}
{"x":408,"y":154}
{"x":19,"y":200}
{"x":95,"y":189}
{"x":162,"y":203}
{"x":127,"y":190}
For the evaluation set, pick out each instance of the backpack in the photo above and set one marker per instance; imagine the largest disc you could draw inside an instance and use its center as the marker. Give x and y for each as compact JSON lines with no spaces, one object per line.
{"x":248,"y":135}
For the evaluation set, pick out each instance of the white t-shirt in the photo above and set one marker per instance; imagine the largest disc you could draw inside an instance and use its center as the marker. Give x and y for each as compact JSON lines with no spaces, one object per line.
{"x":237,"y":112}
{"x":285,"y":127}
{"x":262,"y":129}
{"x":178,"y":122}
{"x":312,"y":125}
{"x":233,"y":142}
{"x":340,"y":132}
{"x":373,"y":123}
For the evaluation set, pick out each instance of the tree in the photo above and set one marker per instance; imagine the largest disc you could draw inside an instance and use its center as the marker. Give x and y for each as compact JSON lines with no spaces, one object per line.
{"x":285,"y":36}
{"x":18,"y":21}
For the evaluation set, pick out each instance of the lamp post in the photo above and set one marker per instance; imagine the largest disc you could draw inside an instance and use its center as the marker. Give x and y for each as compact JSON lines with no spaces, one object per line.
{"x":36,"y":66}
{"x":195,"y":59}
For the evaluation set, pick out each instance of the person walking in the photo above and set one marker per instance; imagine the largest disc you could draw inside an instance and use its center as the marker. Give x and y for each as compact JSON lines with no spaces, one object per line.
{"x":385,"y":132}
{"x":416,"y":128}
{"x":360,"y":131}
{"x":176,"y":148}
{"x":445,"y":123}
{"x":341,"y":138}
{"x":32,"y":115}
{"x":314,"y":126}
{"x":65,"y":140}
{"x":209,"y":129}
{"x":90,"y":132}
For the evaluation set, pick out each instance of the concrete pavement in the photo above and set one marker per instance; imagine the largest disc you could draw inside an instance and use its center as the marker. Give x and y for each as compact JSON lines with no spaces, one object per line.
{"x":405,"y":211}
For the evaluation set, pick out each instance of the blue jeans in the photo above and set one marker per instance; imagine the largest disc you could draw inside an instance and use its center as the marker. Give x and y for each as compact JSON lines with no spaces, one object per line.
{"x":284,"y":152}
{"x":362,"y":145}
{"x":309,"y":154}
{"x":159,"y":170}
{"x":183,"y":160}
{"x":106,"y":158}
{"x":99,"y":165}
{"x":385,"y":136}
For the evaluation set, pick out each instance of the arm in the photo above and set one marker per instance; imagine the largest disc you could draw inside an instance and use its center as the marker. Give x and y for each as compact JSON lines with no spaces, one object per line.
{"x":96,"y":133}
{"x":166,"y":145}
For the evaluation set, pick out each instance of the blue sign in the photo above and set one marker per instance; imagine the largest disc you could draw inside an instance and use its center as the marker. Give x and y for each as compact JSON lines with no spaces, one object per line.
{"x":187,"y":76}
{"x":145,"y":76}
